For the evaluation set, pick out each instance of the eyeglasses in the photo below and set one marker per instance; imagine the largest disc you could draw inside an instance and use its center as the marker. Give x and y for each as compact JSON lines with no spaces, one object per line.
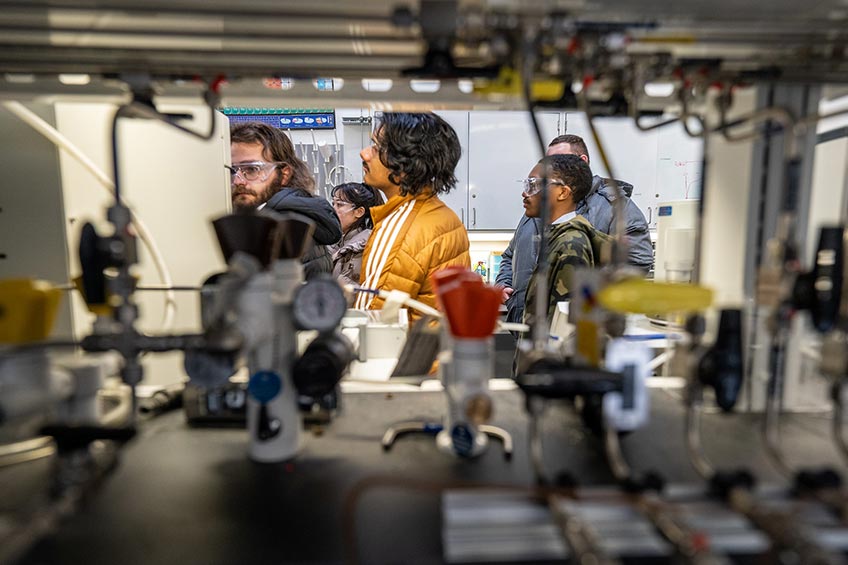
{"x":342,"y":204}
{"x":251,"y":172}
{"x":533,"y":185}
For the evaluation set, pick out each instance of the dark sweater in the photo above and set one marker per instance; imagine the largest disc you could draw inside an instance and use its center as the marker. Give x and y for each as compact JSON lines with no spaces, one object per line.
{"x":328,"y":230}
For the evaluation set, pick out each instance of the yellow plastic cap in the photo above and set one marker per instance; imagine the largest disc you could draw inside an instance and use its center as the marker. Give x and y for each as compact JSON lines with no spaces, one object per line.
{"x":28,"y":310}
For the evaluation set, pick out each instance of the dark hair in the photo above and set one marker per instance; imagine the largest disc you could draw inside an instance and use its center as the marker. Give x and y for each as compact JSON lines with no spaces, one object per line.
{"x":420,"y":151}
{"x":362,"y":196}
{"x":278,"y":146}
{"x":574,"y":140}
{"x":573,"y":171}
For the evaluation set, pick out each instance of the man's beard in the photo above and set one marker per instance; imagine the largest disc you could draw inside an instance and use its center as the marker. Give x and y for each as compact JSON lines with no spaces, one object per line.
{"x":272,"y":187}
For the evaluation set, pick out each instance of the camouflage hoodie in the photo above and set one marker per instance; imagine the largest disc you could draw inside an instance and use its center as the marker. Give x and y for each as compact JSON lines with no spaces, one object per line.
{"x":573,"y":244}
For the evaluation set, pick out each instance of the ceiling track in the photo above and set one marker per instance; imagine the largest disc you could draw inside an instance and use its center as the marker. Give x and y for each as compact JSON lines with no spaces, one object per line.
{"x":237,"y":9}
{"x":208,"y":35}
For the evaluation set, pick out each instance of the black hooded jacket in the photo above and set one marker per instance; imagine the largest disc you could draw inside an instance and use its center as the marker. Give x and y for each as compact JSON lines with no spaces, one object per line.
{"x":328,"y":229}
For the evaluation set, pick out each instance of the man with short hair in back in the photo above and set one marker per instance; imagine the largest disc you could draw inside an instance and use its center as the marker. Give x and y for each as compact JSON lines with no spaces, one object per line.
{"x":412,"y":160}
{"x":598,"y":207}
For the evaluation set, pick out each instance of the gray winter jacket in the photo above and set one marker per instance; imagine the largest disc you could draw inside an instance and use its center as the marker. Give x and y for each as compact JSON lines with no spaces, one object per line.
{"x":599,"y":208}
{"x":347,"y":256}
{"x":328,"y":229}
{"x":517,"y":264}
{"x":519,"y":258}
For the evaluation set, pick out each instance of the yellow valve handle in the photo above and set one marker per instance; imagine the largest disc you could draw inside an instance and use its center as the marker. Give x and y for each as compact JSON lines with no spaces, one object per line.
{"x":509,"y":82}
{"x":638,"y":296}
{"x":28,"y":309}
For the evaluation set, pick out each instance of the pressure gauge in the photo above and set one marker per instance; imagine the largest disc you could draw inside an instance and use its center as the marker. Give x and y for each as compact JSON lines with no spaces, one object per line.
{"x":319,"y":304}
{"x":234,"y":398}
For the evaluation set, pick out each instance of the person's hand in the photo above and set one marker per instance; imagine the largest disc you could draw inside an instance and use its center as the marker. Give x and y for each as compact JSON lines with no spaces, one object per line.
{"x":507,"y":292}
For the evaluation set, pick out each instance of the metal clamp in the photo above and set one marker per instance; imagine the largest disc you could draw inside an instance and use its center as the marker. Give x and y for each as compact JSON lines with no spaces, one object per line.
{"x":357,"y":120}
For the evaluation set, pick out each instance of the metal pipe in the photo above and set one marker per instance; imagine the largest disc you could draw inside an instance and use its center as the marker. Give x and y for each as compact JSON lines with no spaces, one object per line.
{"x":657,"y":125}
{"x":702,"y":203}
{"x":543,"y":269}
{"x":195,"y":9}
{"x":26,"y":451}
{"x":52,"y":344}
{"x":535,"y":410}
{"x":838,"y":419}
{"x":772,"y":113}
{"x":771,"y":421}
{"x":618,"y":465}
{"x":685,"y":116}
{"x":581,"y":539}
{"x":693,"y":442}
{"x":620,"y":255}
{"x":138,"y":110}
{"x":211,"y":35}
{"x":677,"y":532}
{"x":783,"y":530}
{"x":812,"y":119}
{"x":187,"y":63}
{"x":633,"y":102}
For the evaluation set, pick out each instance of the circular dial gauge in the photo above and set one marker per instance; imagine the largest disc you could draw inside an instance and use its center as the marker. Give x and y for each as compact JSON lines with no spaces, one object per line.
{"x":319,"y":304}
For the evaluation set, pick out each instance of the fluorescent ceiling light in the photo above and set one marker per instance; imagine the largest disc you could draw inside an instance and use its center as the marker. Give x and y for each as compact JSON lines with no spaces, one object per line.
{"x":75,"y":79}
{"x":377,"y":84}
{"x":659,"y":89}
{"x":466,"y":86}
{"x":19,"y":78}
{"x":425,"y":86}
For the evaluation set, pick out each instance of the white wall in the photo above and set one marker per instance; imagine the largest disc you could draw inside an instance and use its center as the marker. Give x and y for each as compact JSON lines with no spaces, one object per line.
{"x":175,"y":183}
{"x":32,"y":231}
{"x":662,"y":164}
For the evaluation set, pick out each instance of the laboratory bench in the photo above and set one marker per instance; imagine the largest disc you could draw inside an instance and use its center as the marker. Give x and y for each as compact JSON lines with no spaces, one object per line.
{"x":187,"y":495}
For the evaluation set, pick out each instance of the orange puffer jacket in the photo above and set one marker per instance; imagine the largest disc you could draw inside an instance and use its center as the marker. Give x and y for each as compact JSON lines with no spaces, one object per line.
{"x":412,"y":238}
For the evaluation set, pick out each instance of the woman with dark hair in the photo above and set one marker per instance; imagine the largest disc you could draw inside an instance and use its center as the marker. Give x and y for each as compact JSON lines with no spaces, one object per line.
{"x":352,"y":202}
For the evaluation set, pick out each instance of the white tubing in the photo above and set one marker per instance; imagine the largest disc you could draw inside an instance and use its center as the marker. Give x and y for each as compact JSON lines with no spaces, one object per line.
{"x":62,"y":142}
{"x":430,"y":311}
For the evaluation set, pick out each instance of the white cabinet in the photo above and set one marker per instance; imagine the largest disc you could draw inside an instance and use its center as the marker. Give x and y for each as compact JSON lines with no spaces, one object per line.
{"x":502,"y":148}
{"x":457,"y":198}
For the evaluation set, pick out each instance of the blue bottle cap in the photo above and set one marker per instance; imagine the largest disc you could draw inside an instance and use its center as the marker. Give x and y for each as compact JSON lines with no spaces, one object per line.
{"x":264,"y":386}
{"x":462,"y":439}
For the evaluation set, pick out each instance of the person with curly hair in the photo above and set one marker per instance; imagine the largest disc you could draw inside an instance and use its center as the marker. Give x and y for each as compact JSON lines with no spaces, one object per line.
{"x":412,"y":160}
{"x":352,"y":202}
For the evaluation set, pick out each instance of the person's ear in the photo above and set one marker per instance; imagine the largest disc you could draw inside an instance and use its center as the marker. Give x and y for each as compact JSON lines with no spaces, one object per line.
{"x":565,"y":195}
{"x":359,"y":212}
{"x":585,"y":158}
{"x":286,"y":175}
